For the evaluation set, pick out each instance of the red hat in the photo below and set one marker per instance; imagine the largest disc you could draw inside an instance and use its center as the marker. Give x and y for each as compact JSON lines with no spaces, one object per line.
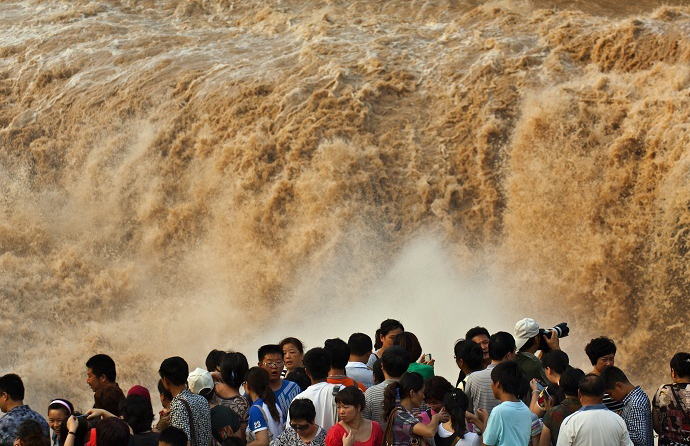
{"x":141,"y":391}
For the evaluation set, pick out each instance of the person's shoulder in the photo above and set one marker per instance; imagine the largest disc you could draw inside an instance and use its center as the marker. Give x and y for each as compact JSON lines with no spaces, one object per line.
{"x":375,"y":426}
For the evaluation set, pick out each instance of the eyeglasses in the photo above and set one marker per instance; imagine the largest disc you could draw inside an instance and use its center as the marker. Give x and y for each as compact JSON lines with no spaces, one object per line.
{"x":299,"y":427}
{"x":273,"y":365}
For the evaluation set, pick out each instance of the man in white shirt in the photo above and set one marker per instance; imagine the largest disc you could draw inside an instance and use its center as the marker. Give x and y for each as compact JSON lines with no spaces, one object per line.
{"x":317,"y":362}
{"x":360,"y":351}
{"x":593,"y":424}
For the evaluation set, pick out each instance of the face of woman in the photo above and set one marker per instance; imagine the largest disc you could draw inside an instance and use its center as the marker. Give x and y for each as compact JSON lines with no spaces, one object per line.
{"x":389,"y":338}
{"x":348,"y":413}
{"x":303,"y":428}
{"x":604,"y":362}
{"x":55,"y":418}
{"x":292,"y":357}
{"x":417,"y":398}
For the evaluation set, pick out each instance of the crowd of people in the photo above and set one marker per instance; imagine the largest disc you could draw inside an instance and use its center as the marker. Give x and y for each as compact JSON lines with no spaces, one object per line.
{"x":513,"y":389}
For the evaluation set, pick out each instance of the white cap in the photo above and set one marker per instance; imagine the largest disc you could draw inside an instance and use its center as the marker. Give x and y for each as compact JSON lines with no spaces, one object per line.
{"x":199,"y":380}
{"x":525,"y":330}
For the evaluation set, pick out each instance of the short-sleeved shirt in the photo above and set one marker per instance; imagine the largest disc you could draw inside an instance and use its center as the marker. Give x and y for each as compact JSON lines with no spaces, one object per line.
{"x":554,"y":416}
{"x":346,"y":381}
{"x":284,"y":396}
{"x":373,"y":409}
{"x":360,"y":373}
{"x":593,"y":425}
{"x":13,"y":418}
{"x":335,"y":436}
{"x":531,"y":367}
{"x":290,"y":437}
{"x":637,"y":414}
{"x":478,"y":390}
{"x":258,"y":422}
{"x":403,"y":423}
{"x":670,"y":408}
{"x":200,"y":415}
{"x":238,"y":403}
{"x":510,"y":424}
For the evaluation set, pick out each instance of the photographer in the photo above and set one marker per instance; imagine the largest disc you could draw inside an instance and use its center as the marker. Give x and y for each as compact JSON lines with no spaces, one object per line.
{"x":529,"y":339}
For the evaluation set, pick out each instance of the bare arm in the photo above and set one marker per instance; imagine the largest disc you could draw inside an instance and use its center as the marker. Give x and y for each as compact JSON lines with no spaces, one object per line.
{"x":545,"y":439}
{"x":261,"y":439}
{"x":429,"y":430}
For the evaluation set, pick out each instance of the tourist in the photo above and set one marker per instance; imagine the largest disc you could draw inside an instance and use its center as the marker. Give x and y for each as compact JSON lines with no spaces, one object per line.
{"x":233,"y":370}
{"x":455,"y":404}
{"x":293,"y":354}
{"x":554,"y":416}
{"x":479,"y":384}
{"x":317,"y":362}
{"x":188,"y":412}
{"x":224,"y":421}
{"x":100,"y":372}
{"x":12,"y":405}
{"x":510,"y":422}
{"x":409,"y":390}
{"x":172,"y":436}
{"x":112,"y":431}
{"x":352,"y":427}
{"x":593,"y":424}
{"x":481,"y":336}
{"x":164,"y":415}
{"x":555,"y":362}
{"x":214,"y":359}
{"x":637,"y":410}
{"x":58,"y":411}
{"x":30,"y":433}
{"x":299,"y":376}
{"x":394,"y":364}
{"x":671,"y":404}
{"x":339,"y":352}
{"x":384,"y":337}
{"x":410,"y":342}
{"x":601,"y":353}
{"x":435,"y":388}
{"x":360,"y":352}
{"x":109,"y":397}
{"x":469,"y":358}
{"x":265,"y":417}
{"x":303,"y":429}
{"x":528,"y":340}
{"x":137,"y":412}
{"x":271,"y":360}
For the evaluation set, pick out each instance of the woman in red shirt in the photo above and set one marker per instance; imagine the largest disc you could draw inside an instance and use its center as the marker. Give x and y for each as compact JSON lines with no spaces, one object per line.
{"x":353,"y":430}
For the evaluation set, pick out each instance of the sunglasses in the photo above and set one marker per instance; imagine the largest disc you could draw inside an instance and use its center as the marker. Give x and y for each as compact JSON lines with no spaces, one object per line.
{"x":299,"y":427}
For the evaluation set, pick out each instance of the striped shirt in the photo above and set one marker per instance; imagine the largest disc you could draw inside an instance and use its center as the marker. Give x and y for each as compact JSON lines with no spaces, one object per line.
{"x":478,"y":390}
{"x":373,"y":409}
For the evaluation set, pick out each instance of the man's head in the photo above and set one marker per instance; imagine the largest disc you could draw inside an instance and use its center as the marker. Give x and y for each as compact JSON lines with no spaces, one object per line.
{"x":501,"y":346}
{"x":112,"y":431}
{"x":601,"y":353}
{"x":570,"y":381}
{"x":360,"y":347}
{"x":100,"y":371}
{"x":339,"y":352}
{"x":174,"y":372}
{"x":271,"y":360}
{"x":481,"y":336}
{"x":506,"y":378}
{"x":11,"y":391}
{"x":591,"y":389}
{"x":213,"y":360}
{"x":172,"y":436}
{"x":680,"y":366}
{"x":616,"y":384}
{"x":527,"y":335}
{"x":317,"y":362}
{"x":395,"y":361}
{"x":555,"y":362}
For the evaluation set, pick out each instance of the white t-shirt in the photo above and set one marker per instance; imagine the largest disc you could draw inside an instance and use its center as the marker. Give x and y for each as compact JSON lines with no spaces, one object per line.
{"x":594,"y":425}
{"x":471,"y":439}
{"x":321,"y":394}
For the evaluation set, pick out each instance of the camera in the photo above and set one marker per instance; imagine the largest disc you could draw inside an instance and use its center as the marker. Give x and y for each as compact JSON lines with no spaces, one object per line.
{"x":561,"y":330}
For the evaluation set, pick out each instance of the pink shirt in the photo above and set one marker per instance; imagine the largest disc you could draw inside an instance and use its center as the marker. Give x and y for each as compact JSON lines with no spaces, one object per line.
{"x":335,"y":436}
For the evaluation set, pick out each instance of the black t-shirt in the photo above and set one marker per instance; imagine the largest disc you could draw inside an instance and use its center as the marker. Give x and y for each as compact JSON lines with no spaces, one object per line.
{"x":144,"y":439}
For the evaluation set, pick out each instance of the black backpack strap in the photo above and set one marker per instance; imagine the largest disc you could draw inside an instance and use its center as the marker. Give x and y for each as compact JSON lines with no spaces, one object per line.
{"x":192,"y":431}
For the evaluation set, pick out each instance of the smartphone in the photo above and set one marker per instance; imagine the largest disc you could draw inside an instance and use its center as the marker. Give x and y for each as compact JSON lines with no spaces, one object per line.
{"x":427,"y":358}
{"x":80,"y":417}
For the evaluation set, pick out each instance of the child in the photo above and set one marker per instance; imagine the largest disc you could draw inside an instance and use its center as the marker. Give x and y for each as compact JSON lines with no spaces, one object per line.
{"x":510,"y":422}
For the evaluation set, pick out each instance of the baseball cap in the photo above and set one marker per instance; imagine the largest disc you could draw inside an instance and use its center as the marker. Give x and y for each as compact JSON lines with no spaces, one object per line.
{"x":199,"y":380}
{"x":525,"y":329}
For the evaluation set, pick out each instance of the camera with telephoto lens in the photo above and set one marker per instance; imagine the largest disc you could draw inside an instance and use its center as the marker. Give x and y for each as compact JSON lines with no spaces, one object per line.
{"x":561,"y":330}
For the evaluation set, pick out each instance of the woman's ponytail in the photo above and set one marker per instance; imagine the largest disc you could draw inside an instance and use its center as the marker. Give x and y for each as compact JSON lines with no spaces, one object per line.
{"x":258,"y":382}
